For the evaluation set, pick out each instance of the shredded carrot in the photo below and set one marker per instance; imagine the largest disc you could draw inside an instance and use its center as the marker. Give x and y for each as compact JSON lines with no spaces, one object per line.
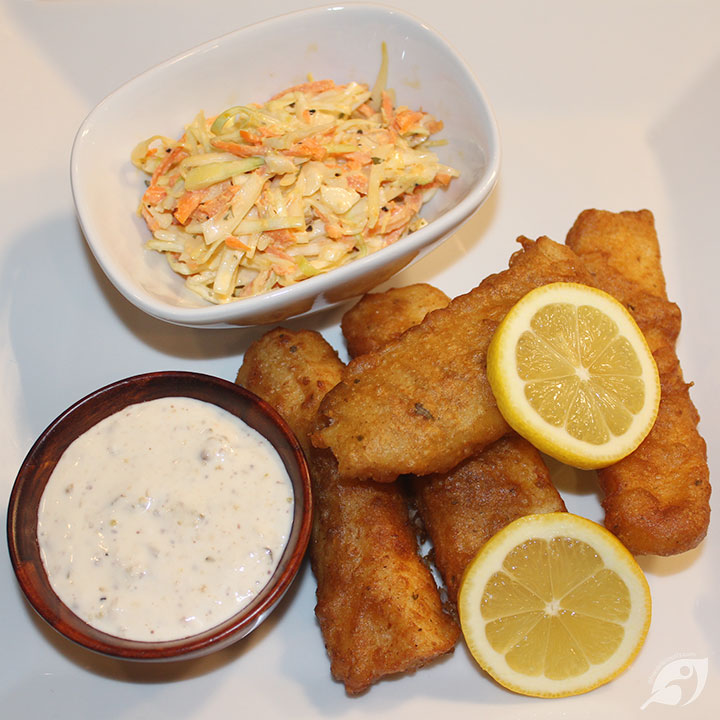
{"x":173,"y":157}
{"x":257,"y":135}
{"x":236,"y":244}
{"x":401,"y":212}
{"x":405,"y":119}
{"x":238,"y":148}
{"x":265,"y":131}
{"x":357,"y":159}
{"x":391,"y":237}
{"x":333,"y":230}
{"x":281,"y":238}
{"x":387,"y":108}
{"x":218,"y":203}
{"x":310,"y":147}
{"x":150,"y":221}
{"x":365,"y":110}
{"x":283,"y":270}
{"x":386,"y":136}
{"x":358,"y":182}
{"x":188,"y":203}
{"x":154,"y":194}
{"x":252,"y":138}
{"x":278,"y":252}
{"x":313,"y":87}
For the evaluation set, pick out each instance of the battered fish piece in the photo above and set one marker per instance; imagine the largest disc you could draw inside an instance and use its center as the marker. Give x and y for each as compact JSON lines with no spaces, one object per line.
{"x":462,"y":509}
{"x":657,"y":500}
{"x":293,"y":371}
{"x":422,"y":404}
{"x":378,"y":607}
{"x":379,"y":318}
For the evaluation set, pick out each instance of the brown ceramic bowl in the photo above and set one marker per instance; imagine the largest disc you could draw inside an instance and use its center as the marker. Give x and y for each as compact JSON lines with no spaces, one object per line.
{"x":40,"y":462}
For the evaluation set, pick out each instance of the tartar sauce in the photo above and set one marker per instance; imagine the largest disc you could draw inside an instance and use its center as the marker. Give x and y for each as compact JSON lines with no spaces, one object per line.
{"x":164,"y":519}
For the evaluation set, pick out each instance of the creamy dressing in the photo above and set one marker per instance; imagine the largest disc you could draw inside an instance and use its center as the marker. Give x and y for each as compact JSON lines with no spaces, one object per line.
{"x":164,"y":519}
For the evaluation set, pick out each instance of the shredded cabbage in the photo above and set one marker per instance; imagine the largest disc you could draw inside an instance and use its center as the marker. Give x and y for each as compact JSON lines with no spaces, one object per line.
{"x":265,"y":196}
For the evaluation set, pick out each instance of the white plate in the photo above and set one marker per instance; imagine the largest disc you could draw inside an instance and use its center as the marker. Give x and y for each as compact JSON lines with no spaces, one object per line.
{"x":610,"y":104}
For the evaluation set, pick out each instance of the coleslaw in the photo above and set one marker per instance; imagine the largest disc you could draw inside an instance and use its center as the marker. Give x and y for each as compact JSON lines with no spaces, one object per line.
{"x":263,"y":196}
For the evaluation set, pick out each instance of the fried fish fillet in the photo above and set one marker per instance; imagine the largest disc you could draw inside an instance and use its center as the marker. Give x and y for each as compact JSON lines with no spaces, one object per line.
{"x":293,"y":371}
{"x":381,"y":317}
{"x":461,"y":509}
{"x":657,"y":500}
{"x":378,"y":607}
{"x":422,"y":404}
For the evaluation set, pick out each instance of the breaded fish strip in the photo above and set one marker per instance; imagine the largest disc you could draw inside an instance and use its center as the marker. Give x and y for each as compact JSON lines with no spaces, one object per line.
{"x":461,"y":509}
{"x":378,"y":607}
{"x":293,"y":371}
{"x":381,"y":317}
{"x":657,"y":500}
{"x":422,"y":404}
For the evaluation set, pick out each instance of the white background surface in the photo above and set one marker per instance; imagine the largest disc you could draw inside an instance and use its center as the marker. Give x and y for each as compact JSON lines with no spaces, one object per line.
{"x":612,"y":104}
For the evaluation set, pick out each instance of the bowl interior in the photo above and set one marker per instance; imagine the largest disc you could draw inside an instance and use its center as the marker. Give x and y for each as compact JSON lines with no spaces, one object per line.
{"x":40,"y":462}
{"x":245,"y":66}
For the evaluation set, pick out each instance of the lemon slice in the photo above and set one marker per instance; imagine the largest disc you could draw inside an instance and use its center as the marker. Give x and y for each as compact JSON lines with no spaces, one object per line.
{"x":572,"y":372}
{"x":554,"y":605}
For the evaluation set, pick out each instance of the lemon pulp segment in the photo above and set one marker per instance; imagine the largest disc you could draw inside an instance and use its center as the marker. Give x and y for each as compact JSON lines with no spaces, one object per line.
{"x":580,"y":372}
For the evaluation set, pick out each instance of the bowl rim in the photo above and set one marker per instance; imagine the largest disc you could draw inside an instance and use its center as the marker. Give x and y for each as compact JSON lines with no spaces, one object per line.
{"x":240,"y":312}
{"x":22,"y":539}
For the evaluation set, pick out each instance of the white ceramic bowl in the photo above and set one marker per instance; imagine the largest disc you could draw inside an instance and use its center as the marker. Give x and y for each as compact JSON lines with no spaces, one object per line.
{"x":249,"y":65}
